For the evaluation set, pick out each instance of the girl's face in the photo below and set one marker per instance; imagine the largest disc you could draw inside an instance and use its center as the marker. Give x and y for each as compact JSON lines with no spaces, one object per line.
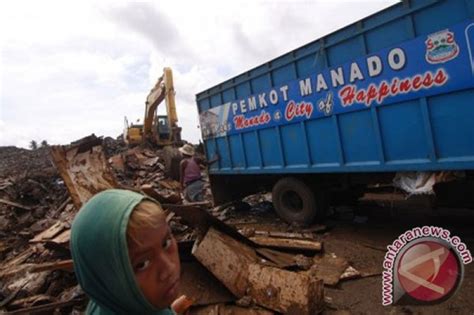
{"x":155,"y":262}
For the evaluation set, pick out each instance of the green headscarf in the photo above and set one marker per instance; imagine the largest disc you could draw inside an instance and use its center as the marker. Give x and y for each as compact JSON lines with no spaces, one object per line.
{"x":100,"y":254}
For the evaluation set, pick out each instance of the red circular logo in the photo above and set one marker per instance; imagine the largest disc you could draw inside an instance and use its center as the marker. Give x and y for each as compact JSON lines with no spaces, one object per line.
{"x":429,"y":271}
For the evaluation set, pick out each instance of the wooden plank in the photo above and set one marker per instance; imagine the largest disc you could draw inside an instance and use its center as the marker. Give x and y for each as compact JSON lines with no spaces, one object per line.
{"x":169,"y":184}
{"x":159,"y":196}
{"x":17,"y":260}
{"x":226,"y":258}
{"x":14,"y":204}
{"x":61,"y":207}
{"x":287,"y":243}
{"x":201,"y":286}
{"x":31,"y":300}
{"x":46,"y":307}
{"x":62,"y":238}
{"x":10,"y":297}
{"x":66,"y":265}
{"x":201,"y":220}
{"x":14,"y":270}
{"x":329,"y":268}
{"x":350,"y":273}
{"x":282,"y":260}
{"x":285,"y":291}
{"x":84,"y":169}
{"x":49,"y":233}
{"x":301,"y":236}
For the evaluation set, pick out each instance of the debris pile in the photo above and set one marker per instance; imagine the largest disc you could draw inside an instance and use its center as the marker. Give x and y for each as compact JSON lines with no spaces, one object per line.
{"x":231,"y":262}
{"x":38,"y":201}
{"x":35,"y":215}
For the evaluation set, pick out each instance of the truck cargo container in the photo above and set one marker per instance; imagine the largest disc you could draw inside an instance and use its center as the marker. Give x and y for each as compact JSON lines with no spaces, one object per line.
{"x":392,"y":92}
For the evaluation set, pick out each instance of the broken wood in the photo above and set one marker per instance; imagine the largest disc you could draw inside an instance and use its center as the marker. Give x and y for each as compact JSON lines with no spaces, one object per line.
{"x":282,"y":260}
{"x":33,"y":283}
{"x":170,"y":216}
{"x":14,"y":204}
{"x":35,"y":268}
{"x":30,"y":301}
{"x":46,"y":307}
{"x":117,"y":162}
{"x":226,"y":258}
{"x":169,"y":184}
{"x":350,"y":273}
{"x":10,"y":297}
{"x":160,"y":197}
{"x":49,"y":233}
{"x":289,"y":235}
{"x":84,"y":169}
{"x":285,"y":291}
{"x":61,"y":207}
{"x":66,"y":265}
{"x":201,"y":220}
{"x":151,"y":161}
{"x":287,"y":243}
{"x":18,"y":259}
{"x":62,"y":239}
{"x":201,"y":286}
{"x":14,"y":270}
{"x":329,"y":268}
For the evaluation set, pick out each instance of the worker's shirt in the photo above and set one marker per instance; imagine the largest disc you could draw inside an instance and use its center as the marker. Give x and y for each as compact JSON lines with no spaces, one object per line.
{"x":192,"y":172}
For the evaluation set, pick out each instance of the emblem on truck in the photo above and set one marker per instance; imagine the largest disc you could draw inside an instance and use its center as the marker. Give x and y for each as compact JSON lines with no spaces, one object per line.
{"x":441,"y":47}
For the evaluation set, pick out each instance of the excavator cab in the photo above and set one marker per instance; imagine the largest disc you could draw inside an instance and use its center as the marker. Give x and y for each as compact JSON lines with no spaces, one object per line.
{"x":163,"y":127}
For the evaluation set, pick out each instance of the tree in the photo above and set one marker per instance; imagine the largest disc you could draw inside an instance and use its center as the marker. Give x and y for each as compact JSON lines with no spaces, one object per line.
{"x":44,"y":144}
{"x":33,"y":145}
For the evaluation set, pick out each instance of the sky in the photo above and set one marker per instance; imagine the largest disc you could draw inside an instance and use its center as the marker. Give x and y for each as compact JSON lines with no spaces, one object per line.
{"x":72,"y":68}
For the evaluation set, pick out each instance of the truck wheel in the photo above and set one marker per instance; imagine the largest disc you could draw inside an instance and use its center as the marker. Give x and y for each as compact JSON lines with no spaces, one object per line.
{"x":294,"y":201}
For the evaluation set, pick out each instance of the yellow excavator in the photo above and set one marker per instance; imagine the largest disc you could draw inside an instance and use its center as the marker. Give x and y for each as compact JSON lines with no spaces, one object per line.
{"x":159,"y":130}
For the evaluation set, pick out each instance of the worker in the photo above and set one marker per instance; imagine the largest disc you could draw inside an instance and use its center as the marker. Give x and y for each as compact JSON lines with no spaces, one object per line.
{"x":190,"y":175}
{"x":125,"y":257}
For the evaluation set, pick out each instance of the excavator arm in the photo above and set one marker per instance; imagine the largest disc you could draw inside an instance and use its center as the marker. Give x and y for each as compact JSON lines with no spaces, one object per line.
{"x":163,"y":90}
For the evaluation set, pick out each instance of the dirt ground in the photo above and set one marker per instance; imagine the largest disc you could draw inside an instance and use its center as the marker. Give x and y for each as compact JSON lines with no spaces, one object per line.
{"x":363,"y":246}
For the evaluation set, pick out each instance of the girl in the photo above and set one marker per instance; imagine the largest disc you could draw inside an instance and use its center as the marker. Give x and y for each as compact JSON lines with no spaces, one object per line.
{"x":125,"y":257}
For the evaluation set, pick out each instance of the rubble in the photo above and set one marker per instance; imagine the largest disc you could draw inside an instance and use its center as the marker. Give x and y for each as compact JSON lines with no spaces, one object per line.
{"x":329,"y":268}
{"x":84,"y":169}
{"x":38,"y":201}
{"x":285,"y":291}
{"x":14,"y":204}
{"x":231,"y":264}
{"x":287,"y":243}
{"x":350,"y":273}
{"x":236,"y":265}
{"x":199,"y":285}
{"x":234,"y":260}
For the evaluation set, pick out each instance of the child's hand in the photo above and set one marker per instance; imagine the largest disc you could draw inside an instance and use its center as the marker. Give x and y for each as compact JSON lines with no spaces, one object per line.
{"x":182,"y":304}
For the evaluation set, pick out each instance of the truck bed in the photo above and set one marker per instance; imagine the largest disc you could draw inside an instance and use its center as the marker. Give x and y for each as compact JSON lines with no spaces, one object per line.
{"x":392,"y":92}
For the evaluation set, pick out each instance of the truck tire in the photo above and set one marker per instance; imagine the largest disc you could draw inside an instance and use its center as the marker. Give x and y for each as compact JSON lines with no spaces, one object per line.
{"x":294,"y":201}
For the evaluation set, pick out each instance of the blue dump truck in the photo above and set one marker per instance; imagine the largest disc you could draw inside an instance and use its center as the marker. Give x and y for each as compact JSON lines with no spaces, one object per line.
{"x":389,"y":93}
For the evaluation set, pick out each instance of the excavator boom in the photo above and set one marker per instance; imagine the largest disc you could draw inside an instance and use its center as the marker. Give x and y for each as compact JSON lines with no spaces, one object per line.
{"x":161,"y":130}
